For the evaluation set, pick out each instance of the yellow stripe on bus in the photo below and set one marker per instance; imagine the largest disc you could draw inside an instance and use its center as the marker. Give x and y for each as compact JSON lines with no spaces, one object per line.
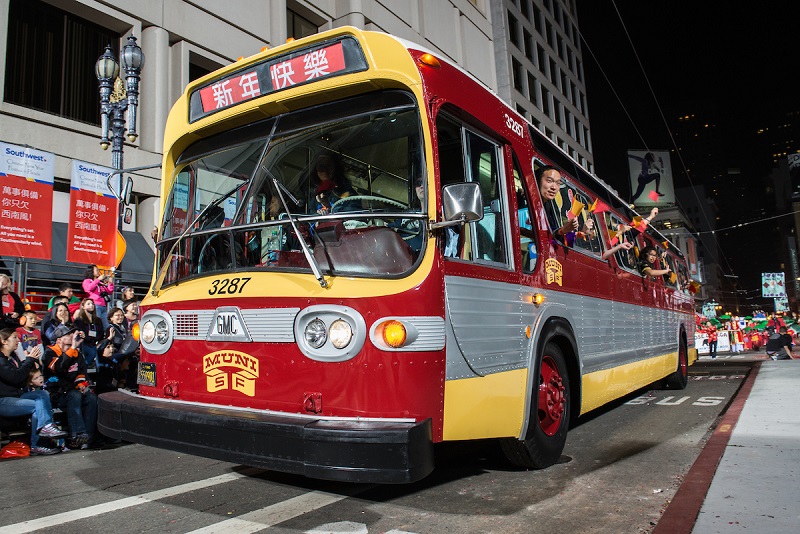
{"x":604,"y":386}
{"x":485,"y":407}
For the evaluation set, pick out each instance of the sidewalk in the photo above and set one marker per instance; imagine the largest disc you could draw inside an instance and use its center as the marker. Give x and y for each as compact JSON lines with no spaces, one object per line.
{"x":757,"y":483}
{"x":747,"y":478}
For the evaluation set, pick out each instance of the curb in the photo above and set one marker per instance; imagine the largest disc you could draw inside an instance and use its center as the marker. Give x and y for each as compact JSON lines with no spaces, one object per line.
{"x":681,"y":513}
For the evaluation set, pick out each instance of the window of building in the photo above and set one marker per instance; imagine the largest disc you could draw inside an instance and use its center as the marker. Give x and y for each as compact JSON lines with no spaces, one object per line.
{"x":546,"y":101}
{"x":560,"y":47}
{"x":553,"y":71}
{"x":516,"y":71}
{"x":540,"y":58}
{"x":298,"y":26}
{"x":513,"y":30}
{"x":532,"y":90}
{"x":536,"y":15}
{"x":50,"y":60}
{"x":548,"y":33}
{"x":527,"y":39}
{"x":525,"y":8}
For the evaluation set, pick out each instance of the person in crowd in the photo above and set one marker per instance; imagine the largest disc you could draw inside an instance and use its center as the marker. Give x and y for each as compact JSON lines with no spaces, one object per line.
{"x":58,"y":315}
{"x":29,"y":335}
{"x":775,"y":321}
{"x":87,"y":322}
{"x":117,"y":328}
{"x":99,"y":287}
{"x":106,"y":379}
{"x":49,"y":315}
{"x":35,"y":381}
{"x":648,"y":264}
{"x":127,"y":293}
{"x":65,"y":290}
{"x":70,"y":390}
{"x":711,"y":332}
{"x":131,"y":309}
{"x":779,"y":344}
{"x":13,"y":308}
{"x":14,"y":402}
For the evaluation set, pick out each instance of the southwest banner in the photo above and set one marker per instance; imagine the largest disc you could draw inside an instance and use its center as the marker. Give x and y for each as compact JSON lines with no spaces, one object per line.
{"x":26,"y":201}
{"x":93,"y":216}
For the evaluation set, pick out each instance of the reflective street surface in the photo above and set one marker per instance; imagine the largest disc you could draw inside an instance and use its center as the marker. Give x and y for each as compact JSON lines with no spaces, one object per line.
{"x":620,"y":468}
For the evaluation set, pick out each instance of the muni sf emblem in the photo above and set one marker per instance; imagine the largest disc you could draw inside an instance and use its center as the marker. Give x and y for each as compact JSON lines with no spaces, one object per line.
{"x":553,"y":271}
{"x":230,"y":369}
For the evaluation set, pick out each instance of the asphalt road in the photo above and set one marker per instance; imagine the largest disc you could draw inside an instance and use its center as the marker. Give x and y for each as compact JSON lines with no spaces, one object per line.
{"x":620,"y":468}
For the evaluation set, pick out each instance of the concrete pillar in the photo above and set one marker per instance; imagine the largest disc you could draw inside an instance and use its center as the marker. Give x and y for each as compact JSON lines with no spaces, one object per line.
{"x":154,"y":93}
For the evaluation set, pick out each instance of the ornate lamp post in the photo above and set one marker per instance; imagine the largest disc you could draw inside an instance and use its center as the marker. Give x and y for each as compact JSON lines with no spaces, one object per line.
{"x":117,"y":97}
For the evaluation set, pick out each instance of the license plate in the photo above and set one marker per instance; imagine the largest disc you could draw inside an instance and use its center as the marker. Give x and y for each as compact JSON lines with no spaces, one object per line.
{"x":147,"y":374}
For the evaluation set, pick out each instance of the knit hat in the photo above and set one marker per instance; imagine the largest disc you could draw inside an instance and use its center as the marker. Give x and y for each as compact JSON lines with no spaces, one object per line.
{"x":62,"y":330}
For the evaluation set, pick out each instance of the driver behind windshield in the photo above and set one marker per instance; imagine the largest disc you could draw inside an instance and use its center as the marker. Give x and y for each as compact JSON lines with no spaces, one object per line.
{"x":331,"y":186}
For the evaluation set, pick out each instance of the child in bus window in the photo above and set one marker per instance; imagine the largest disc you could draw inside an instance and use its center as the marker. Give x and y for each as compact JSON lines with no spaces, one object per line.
{"x":648,"y":263}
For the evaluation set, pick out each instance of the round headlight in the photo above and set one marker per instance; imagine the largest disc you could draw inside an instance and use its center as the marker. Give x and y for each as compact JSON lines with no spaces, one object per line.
{"x":315,"y":333}
{"x":148,"y":332}
{"x":162,"y":333}
{"x":341,"y":333}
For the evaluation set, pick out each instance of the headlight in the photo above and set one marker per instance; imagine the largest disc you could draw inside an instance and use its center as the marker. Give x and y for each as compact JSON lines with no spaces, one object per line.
{"x":148,"y":332}
{"x":316,"y":334}
{"x":162,"y":332}
{"x":341,"y":333}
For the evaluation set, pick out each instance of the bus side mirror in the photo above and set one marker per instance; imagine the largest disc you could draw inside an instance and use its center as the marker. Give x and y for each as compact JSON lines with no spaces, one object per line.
{"x":125,"y":196}
{"x":462,"y":203}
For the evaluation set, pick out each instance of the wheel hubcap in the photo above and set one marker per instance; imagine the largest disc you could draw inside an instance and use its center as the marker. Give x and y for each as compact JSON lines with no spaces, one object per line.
{"x":552,"y":397}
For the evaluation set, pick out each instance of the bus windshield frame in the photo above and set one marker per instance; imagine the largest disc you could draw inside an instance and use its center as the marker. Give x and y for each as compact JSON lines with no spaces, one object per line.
{"x":351,"y":173}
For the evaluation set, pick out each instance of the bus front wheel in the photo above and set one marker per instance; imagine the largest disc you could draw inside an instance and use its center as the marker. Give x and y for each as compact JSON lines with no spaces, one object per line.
{"x":549,"y":417}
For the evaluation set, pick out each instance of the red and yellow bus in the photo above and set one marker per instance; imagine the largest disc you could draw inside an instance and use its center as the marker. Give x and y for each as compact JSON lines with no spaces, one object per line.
{"x":354,"y":264}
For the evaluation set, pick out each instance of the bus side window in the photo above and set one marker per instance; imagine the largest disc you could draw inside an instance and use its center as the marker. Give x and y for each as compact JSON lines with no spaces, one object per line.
{"x":588,"y":240}
{"x":668,"y":278}
{"x":527,"y":234}
{"x":625,"y":258}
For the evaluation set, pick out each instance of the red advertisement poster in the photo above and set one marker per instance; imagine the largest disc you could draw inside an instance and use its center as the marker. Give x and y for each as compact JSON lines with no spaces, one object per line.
{"x":26,"y":202}
{"x":93,"y":217}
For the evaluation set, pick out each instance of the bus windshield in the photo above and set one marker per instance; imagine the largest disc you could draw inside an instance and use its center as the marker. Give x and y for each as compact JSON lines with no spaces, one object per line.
{"x":350,"y":176}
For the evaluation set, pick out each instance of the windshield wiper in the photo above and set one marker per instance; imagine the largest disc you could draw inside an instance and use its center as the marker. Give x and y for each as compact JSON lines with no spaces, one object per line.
{"x":306,"y":251}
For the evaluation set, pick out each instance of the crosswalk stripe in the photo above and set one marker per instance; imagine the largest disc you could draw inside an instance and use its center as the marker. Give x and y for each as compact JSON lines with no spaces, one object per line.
{"x":98,"y":509}
{"x":273,"y":514}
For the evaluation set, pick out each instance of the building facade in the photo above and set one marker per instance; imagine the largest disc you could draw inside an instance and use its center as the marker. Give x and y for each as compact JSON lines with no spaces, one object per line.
{"x":540,"y":70}
{"x":49,"y":98}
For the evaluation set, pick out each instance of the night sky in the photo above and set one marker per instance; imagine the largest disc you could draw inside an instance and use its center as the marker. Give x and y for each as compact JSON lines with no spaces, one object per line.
{"x":733,"y":60}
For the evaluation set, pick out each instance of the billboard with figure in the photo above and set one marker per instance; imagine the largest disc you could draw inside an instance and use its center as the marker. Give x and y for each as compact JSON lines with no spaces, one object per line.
{"x":651,"y":178}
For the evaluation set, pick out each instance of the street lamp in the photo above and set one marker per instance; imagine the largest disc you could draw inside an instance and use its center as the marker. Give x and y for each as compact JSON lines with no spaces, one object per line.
{"x":117,"y":97}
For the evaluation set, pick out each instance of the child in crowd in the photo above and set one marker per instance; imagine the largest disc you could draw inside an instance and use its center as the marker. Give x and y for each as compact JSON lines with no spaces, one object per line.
{"x":29,"y":335}
{"x":35,"y":381}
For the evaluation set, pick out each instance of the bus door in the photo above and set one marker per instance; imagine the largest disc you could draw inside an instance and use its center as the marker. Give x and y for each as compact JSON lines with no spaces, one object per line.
{"x":484,"y":309}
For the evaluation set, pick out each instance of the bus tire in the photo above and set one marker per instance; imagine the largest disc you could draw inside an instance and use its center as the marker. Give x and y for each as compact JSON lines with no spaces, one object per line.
{"x":549,"y":417}
{"x":680,"y":377}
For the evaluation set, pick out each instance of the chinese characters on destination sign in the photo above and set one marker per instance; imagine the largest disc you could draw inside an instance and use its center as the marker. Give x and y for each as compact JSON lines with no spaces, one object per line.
{"x":282,"y":74}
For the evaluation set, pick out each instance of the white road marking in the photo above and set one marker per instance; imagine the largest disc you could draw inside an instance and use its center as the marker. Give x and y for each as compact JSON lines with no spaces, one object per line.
{"x":278,"y":513}
{"x":98,"y":509}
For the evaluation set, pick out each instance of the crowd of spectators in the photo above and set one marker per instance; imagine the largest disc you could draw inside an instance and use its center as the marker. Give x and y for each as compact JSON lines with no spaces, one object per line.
{"x":81,"y":347}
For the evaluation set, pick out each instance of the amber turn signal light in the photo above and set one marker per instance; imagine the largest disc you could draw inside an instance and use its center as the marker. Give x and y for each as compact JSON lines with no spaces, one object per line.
{"x":394,"y":334}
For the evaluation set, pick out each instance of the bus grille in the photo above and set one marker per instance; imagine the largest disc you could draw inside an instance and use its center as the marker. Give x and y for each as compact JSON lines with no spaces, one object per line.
{"x":264,"y":325}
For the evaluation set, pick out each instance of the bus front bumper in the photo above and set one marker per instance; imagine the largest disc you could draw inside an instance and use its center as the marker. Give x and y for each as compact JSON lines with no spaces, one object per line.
{"x":344,"y":450}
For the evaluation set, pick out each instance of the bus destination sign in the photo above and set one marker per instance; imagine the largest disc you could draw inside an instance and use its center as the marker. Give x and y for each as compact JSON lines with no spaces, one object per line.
{"x":304,"y":66}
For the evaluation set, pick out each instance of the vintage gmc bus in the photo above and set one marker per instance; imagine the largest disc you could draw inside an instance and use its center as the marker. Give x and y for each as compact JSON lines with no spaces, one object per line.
{"x":354,"y":265}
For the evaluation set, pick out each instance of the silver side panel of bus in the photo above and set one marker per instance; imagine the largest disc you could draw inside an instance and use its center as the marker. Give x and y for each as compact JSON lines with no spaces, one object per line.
{"x":486,"y":323}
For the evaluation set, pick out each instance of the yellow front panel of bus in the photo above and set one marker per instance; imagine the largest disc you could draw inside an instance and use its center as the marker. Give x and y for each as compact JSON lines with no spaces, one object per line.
{"x":485,"y":407}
